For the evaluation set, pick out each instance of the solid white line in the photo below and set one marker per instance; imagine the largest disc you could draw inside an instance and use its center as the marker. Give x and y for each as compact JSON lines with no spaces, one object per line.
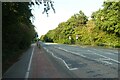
{"x":61,"y":60}
{"x":68,"y":66}
{"x":27,"y":73}
{"x":30,"y":60}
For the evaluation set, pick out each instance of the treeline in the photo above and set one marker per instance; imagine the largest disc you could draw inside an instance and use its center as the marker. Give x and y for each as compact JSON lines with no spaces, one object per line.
{"x":17,"y":30}
{"x":102,"y":29}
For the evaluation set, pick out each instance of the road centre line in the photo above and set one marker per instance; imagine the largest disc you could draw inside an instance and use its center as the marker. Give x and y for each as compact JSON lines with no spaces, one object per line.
{"x":60,"y":59}
{"x":104,"y":61}
{"x":28,"y":70}
{"x":71,"y":52}
{"x":87,"y":57}
{"x":107,"y":62}
{"x":104,"y":52}
{"x":74,"y":53}
{"x":109,"y":50}
{"x":106,"y":57}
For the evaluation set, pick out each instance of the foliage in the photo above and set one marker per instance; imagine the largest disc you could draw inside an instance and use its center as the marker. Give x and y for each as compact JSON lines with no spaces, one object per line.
{"x":67,"y":29}
{"x":102,"y":30}
{"x":48,"y":4}
{"x":17,"y":29}
{"x":108,"y":18}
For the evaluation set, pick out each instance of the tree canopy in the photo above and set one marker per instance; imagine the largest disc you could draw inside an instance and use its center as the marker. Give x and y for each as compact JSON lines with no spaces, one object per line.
{"x":48,"y":5}
{"x":17,"y":29}
{"x":108,"y":19}
{"x":103,"y":29}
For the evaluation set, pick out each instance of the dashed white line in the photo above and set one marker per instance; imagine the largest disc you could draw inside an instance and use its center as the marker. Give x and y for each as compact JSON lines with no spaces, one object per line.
{"x":71,"y":52}
{"x":105,"y":57}
{"x":107,"y":62}
{"x":89,"y":51}
{"x":104,"y":52}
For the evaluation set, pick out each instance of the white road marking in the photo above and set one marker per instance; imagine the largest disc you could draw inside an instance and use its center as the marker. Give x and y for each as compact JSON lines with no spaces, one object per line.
{"x":71,"y":52}
{"x":114,"y":51}
{"x":61,"y":60}
{"x":89,"y":51}
{"x":106,"y":57}
{"x":107,"y":62}
{"x":27,"y":75}
{"x":104,"y":52}
{"x":28,"y":70}
{"x":103,"y":60}
{"x":90,"y":58}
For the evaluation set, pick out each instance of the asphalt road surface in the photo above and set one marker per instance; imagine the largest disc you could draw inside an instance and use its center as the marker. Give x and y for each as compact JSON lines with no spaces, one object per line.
{"x":86,"y":62}
{"x":65,"y":61}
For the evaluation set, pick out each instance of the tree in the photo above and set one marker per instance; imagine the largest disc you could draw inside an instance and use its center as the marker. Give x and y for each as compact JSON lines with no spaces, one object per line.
{"x":78,"y":19}
{"x":66,"y":29}
{"x":17,"y":30}
{"x":107,"y":19}
{"x":48,"y":4}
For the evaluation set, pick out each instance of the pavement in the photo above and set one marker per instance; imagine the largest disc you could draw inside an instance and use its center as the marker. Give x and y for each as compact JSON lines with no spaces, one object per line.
{"x":36,"y":63}
{"x":65,"y":61}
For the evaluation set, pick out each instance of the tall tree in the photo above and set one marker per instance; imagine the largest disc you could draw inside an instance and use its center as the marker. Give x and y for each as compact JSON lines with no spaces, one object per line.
{"x":17,"y":30}
{"x":78,"y":19}
{"x":107,"y":19}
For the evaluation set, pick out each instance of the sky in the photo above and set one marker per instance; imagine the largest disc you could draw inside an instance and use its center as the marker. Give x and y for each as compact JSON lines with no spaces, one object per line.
{"x":64,"y":10}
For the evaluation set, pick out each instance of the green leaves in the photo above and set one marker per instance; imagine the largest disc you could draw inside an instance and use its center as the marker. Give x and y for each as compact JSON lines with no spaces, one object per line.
{"x":78,"y":19}
{"x":48,"y":4}
{"x":103,"y":29}
{"x":107,"y":19}
{"x":69,"y":28}
{"x":17,"y":29}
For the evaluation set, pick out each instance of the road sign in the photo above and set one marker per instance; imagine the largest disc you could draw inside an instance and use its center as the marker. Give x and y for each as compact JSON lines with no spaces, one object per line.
{"x":76,"y":36}
{"x":69,"y":37}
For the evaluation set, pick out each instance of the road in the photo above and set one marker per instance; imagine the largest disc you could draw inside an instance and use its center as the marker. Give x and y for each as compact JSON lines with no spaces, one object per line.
{"x":86,"y":62}
{"x":65,"y":61}
{"x":37,"y":63}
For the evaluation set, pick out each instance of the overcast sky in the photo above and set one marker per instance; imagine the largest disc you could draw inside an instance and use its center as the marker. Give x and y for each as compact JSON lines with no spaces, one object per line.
{"x":64,"y":10}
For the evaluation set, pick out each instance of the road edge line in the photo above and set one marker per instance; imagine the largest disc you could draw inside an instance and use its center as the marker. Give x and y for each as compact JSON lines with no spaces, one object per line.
{"x":28,"y":69}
